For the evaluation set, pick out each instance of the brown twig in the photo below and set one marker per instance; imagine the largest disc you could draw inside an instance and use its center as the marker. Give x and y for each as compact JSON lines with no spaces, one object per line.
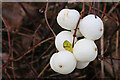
{"x":90,"y":8}
{"x":46,"y":62}
{"x":111,"y":59}
{"x":8,"y":74}
{"x":104,"y":14}
{"x":33,"y":48}
{"x":117,"y":42}
{"x":12,"y":63}
{"x":105,"y":4}
{"x":74,"y":35}
{"x":43,"y":70}
{"x":102,"y":54}
{"x":113,"y":8}
{"x":102,"y":45}
{"x":47,"y":20}
{"x":9,"y":40}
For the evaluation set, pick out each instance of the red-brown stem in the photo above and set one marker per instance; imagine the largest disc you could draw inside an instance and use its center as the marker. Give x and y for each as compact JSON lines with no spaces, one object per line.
{"x":105,"y":4}
{"x":74,"y":35}
{"x":104,"y":14}
{"x":6,"y":25}
{"x":8,"y":74}
{"x":37,"y":29}
{"x":33,"y":48}
{"x":102,"y":46}
{"x":90,"y":8}
{"x":12,"y":61}
{"x":94,"y":9}
{"x":47,"y":20}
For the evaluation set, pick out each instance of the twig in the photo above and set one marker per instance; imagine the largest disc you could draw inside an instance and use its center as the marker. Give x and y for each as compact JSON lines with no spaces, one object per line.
{"x":42,"y":54}
{"x":117,"y":42}
{"x":6,"y":25}
{"x":43,"y":70}
{"x":104,"y":14}
{"x":94,"y":9}
{"x":46,"y":62}
{"x":22,"y":6}
{"x":37,"y":29}
{"x":74,"y":35}
{"x":33,"y":48}
{"x":90,"y":8}
{"x":102,"y":45}
{"x":102,"y":52}
{"x":47,"y":20}
{"x":8,"y":74}
{"x":12,"y":61}
{"x":105,"y":4}
{"x":111,"y":59}
{"x":34,"y":40}
{"x":113,"y":8}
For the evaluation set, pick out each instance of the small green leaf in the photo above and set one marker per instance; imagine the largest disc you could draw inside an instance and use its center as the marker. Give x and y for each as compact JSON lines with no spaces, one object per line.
{"x":68,"y":46}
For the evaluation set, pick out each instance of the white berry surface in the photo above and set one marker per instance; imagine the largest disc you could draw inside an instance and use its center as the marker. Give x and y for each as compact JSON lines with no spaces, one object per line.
{"x":63,"y":62}
{"x":68,"y":18}
{"x":81,"y":65}
{"x":85,"y":50}
{"x":91,"y":27}
{"x":61,"y":38}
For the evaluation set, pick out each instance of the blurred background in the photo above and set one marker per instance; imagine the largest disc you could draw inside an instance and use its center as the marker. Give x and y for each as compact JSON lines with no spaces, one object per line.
{"x":28,"y":43}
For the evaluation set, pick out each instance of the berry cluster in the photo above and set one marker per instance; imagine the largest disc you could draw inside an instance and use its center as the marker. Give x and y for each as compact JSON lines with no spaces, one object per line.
{"x":85,"y":50}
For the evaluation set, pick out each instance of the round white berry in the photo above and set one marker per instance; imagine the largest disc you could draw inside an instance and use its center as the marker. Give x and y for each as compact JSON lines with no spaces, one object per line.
{"x":68,"y":18}
{"x":61,"y":38}
{"x":63,"y":62}
{"x":78,"y":33}
{"x":85,"y":50}
{"x":81,"y":65}
{"x":91,"y":27}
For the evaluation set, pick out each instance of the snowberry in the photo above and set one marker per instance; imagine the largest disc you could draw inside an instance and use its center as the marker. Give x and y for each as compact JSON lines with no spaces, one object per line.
{"x":61,"y":38}
{"x":63,"y":62}
{"x":78,"y":33}
{"x":91,"y":27}
{"x":81,"y":65}
{"x":85,"y":50}
{"x":68,"y":18}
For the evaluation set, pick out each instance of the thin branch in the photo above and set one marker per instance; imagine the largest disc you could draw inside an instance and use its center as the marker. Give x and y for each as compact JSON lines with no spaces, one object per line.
{"x":43,"y":70}
{"x":6,"y":25}
{"x":102,"y":45}
{"x":8,"y":74}
{"x":104,"y":14}
{"x":105,"y":4}
{"x":47,"y":20}
{"x":117,"y":42}
{"x":74,"y":35}
{"x":33,"y":48}
{"x":12,"y":63}
{"x":102,"y":52}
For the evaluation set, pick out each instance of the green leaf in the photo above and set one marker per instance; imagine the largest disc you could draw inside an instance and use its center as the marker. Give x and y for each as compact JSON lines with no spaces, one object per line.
{"x":68,"y":46}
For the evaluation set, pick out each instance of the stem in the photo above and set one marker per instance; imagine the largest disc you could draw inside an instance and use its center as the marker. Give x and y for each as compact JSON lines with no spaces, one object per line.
{"x":102,"y":46}
{"x":33,"y":48}
{"x":6,"y":25}
{"x":74,"y":35}
{"x":102,"y":52}
{"x":94,"y":9}
{"x":47,"y":20}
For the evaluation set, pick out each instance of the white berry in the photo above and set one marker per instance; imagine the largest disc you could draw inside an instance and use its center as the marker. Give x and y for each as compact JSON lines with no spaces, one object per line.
{"x":68,"y":18}
{"x":81,"y":65}
{"x":63,"y":62}
{"x":85,"y":50}
{"x":78,"y":33}
{"x":91,"y":27}
{"x":61,"y":38}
